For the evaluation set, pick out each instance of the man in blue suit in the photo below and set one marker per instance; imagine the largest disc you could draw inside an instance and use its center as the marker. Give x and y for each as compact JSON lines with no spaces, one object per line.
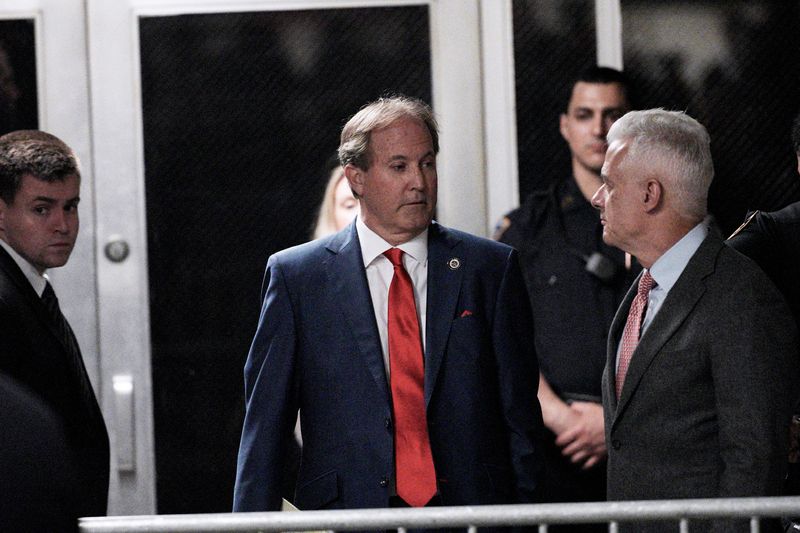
{"x":436,"y":409}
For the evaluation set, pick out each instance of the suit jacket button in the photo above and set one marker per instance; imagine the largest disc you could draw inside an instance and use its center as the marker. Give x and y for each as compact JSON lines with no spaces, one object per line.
{"x":384,"y":482}
{"x":616,"y":444}
{"x":388,"y":423}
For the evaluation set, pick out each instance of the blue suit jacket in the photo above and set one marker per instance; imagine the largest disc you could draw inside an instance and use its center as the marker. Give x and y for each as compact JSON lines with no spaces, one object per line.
{"x":317,"y":349}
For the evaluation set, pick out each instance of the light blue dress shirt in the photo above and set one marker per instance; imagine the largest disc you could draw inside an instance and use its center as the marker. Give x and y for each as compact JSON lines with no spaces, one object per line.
{"x":666,"y":271}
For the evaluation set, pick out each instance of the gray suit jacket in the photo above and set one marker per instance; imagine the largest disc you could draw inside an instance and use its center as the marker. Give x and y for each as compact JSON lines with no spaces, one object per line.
{"x":706,"y":404}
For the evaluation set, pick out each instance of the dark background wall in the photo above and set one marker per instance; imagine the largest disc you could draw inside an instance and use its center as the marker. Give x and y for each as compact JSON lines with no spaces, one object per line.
{"x":733,"y":65}
{"x":18,"y":99}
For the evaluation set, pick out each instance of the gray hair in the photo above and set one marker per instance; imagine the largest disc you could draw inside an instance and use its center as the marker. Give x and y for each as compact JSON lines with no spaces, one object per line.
{"x":677,"y":147}
{"x":354,"y":141}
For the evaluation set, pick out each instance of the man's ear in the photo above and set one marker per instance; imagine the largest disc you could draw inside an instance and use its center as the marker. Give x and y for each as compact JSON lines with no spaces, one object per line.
{"x":652,"y":194}
{"x":355,"y":177}
{"x":3,"y":208}
{"x":562,"y":126}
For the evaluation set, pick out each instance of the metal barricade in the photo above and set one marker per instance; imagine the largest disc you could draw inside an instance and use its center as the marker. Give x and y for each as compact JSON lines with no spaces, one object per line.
{"x":471,"y":517}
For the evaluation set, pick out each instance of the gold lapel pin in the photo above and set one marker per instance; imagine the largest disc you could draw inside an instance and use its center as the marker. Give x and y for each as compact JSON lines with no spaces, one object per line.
{"x":454,"y":263}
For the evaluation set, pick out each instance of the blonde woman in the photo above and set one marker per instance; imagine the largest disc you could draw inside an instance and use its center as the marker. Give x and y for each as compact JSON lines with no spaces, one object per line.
{"x":338,"y":207}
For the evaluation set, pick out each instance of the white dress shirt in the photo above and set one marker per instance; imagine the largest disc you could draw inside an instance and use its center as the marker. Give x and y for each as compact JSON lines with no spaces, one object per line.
{"x":37,"y":281}
{"x":379,"y":276}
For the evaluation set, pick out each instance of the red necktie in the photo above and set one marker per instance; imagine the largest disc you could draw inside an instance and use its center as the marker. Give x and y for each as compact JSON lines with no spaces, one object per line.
{"x":630,"y":335}
{"x":416,"y":477}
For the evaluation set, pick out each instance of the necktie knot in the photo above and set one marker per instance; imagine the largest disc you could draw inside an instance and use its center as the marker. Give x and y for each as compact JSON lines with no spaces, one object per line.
{"x":395,"y":255}
{"x":646,"y":282}
{"x":49,"y":298}
{"x":48,"y":291}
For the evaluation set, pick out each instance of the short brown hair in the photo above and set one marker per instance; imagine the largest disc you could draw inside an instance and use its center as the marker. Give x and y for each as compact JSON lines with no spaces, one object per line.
{"x":354,"y":141}
{"x":36,"y":153}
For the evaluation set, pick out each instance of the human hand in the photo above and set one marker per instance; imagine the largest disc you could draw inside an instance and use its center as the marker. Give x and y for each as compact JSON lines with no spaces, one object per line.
{"x":584,"y":441}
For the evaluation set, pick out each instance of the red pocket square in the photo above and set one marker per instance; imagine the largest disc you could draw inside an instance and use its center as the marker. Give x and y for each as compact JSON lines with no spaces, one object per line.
{"x":466,"y":312}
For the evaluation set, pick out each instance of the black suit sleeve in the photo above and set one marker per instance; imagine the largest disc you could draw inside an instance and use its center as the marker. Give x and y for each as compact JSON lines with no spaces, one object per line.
{"x":518,"y":372}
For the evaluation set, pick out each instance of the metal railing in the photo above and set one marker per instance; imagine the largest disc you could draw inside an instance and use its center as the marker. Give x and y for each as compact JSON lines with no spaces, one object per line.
{"x":470,"y":518}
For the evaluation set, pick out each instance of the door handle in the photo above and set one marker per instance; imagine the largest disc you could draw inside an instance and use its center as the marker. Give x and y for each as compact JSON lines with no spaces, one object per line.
{"x":124,"y":414}
{"x":117,"y":249}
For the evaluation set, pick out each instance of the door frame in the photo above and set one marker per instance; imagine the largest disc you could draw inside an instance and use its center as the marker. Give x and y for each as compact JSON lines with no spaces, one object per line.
{"x":117,"y":134}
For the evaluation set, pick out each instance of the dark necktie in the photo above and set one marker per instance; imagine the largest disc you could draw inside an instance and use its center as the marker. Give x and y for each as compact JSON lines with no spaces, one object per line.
{"x":67,"y":337}
{"x":633,"y":327}
{"x":416,"y":477}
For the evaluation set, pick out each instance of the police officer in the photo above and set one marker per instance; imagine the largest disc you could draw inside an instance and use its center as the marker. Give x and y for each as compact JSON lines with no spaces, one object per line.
{"x":773,"y":241}
{"x":575,"y":283}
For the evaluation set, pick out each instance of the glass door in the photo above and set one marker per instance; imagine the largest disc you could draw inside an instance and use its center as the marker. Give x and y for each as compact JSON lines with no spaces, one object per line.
{"x":214,"y":129}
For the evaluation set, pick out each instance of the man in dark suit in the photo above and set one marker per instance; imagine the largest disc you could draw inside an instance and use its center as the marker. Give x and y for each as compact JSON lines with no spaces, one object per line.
{"x":405,"y":345}
{"x":36,"y":479}
{"x":39,"y":195}
{"x":701,"y":355}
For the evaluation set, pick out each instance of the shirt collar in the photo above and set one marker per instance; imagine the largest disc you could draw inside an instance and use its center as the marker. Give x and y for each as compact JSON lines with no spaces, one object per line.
{"x":373,"y":245}
{"x":669,"y":266}
{"x":37,"y":281}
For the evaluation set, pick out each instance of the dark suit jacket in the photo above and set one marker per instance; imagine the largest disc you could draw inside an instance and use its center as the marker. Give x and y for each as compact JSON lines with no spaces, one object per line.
{"x":32,"y":352}
{"x":36,"y":481}
{"x":317,"y":348}
{"x":773,"y":241}
{"x":706,"y":404}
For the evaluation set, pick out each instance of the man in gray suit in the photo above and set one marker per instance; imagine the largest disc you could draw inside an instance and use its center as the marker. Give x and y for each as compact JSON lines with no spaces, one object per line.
{"x":701,"y":354}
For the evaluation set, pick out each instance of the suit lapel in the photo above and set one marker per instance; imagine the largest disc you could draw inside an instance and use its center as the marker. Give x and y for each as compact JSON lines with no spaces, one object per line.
{"x":15,"y":274}
{"x":680,"y":302}
{"x":69,"y":353}
{"x":348,"y":279}
{"x":444,"y":284}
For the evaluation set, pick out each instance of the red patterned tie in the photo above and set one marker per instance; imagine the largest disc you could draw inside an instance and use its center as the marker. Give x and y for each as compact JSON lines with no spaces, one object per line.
{"x":630,"y":335}
{"x":416,"y":477}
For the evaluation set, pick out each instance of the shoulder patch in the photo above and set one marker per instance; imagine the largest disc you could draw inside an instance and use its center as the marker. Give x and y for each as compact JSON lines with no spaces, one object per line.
{"x":744,"y":224}
{"x":501,"y":228}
